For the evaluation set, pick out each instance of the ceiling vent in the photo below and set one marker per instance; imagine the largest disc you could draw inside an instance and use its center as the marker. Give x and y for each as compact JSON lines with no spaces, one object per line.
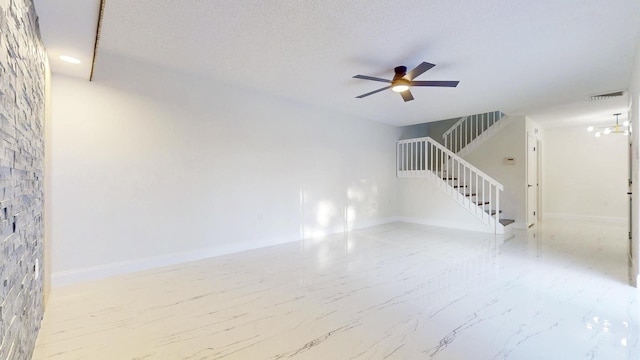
{"x":606,"y":96}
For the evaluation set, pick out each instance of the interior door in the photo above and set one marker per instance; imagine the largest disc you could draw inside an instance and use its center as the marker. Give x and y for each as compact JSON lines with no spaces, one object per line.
{"x":532,"y":180}
{"x":629,"y":193}
{"x":539,"y":189}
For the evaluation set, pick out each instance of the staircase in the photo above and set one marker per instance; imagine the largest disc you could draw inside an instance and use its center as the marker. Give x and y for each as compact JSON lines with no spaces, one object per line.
{"x":471,"y":131}
{"x":474,"y":190}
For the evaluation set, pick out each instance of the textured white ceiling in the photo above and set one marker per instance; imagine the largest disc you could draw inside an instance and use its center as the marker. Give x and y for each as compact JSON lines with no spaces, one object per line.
{"x":518,"y":56}
{"x":68,"y":27}
{"x":583,"y":113}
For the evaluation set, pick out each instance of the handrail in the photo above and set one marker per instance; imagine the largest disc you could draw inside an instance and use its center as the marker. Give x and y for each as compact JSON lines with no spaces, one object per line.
{"x":468,"y":129}
{"x":454,"y":126}
{"x":459,"y":159}
{"x":465,"y":183}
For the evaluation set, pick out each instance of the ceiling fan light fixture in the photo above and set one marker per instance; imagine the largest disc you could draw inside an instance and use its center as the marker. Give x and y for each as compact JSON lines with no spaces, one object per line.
{"x":400,"y":88}
{"x":400,"y":85}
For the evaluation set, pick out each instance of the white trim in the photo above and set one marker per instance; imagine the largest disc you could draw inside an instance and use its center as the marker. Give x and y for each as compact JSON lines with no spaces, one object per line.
{"x":451,"y":225}
{"x":90,"y":273}
{"x":632,"y":269}
{"x":370,"y":223}
{"x":518,"y":225}
{"x":415,"y":164}
{"x":107,"y":270}
{"x":578,"y":217}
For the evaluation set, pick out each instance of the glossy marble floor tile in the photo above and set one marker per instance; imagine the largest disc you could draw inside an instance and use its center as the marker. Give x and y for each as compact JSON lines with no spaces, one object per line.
{"x":397,"y":291}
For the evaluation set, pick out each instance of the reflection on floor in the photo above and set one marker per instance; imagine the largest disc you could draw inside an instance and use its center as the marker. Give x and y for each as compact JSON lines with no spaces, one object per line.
{"x":396,"y":291}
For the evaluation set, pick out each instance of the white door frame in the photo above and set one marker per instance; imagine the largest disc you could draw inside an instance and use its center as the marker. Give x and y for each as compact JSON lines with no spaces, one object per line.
{"x":531,"y":184}
{"x":539,"y":184}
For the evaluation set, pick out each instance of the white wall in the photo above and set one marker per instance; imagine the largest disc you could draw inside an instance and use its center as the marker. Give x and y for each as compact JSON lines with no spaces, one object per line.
{"x":634,"y":116}
{"x":47,"y":185}
{"x":585,"y":177}
{"x":153,"y":167}
{"x":489,"y":156}
{"x":421,"y":201}
{"x":434,"y":130}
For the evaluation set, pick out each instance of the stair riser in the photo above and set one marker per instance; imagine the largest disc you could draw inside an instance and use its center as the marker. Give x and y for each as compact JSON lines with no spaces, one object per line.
{"x":469,"y":186}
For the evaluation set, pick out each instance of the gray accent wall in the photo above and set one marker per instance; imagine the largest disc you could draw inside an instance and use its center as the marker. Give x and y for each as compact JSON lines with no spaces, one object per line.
{"x":433,"y":129}
{"x":22,"y":98}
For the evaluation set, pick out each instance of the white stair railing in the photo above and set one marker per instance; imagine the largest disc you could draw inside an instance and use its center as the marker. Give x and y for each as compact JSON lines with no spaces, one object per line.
{"x":468,"y":129}
{"x":470,"y":187}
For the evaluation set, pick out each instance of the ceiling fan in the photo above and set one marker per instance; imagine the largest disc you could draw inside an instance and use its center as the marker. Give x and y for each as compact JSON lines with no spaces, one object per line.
{"x":403,"y":80}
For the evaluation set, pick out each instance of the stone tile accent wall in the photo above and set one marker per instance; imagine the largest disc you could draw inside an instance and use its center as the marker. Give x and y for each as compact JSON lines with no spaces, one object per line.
{"x":22,"y":99}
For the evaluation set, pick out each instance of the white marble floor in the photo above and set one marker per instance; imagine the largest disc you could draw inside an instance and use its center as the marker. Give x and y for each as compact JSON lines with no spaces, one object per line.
{"x":397,"y":291}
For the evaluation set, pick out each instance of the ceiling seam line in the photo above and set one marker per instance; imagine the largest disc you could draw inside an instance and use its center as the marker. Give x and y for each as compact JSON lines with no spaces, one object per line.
{"x":96,"y":44}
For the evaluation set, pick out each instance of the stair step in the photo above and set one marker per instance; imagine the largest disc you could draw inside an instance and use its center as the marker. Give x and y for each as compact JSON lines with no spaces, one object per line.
{"x":506,"y":222}
{"x":480,"y":203}
{"x":460,"y":186}
{"x":470,"y":194}
{"x":492,"y":212}
{"x":449,"y":178}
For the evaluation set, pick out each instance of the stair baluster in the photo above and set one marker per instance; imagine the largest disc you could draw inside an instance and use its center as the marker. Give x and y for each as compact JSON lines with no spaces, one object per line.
{"x":469,"y":128}
{"x":470,"y":187}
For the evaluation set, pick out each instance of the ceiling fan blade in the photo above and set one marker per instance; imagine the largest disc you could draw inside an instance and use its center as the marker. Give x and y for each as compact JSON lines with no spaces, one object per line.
{"x":419,"y":70}
{"x":406,"y":95}
{"x":373,"y":92}
{"x":435,"y":83}
{"x":365,"y":77}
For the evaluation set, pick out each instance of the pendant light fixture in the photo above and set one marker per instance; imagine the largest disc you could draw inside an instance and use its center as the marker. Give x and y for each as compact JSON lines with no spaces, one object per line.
{"x":615,"y":129}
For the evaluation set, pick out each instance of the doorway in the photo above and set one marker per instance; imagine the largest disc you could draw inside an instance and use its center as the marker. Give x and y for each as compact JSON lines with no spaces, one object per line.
{"x":532,"y":180}
{"x":539,"y":180}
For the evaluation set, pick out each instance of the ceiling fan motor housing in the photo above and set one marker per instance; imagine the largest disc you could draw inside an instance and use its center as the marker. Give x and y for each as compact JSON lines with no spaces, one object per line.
{"x":400,"y":72}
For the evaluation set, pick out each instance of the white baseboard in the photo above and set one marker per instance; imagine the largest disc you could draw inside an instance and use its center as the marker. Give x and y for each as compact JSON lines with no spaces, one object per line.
{"x":590,"y":218}
{"x":370,"y":223}
{"x":447,"y":224}
{"x":634,"y":273}
{"x":91,"y":273}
